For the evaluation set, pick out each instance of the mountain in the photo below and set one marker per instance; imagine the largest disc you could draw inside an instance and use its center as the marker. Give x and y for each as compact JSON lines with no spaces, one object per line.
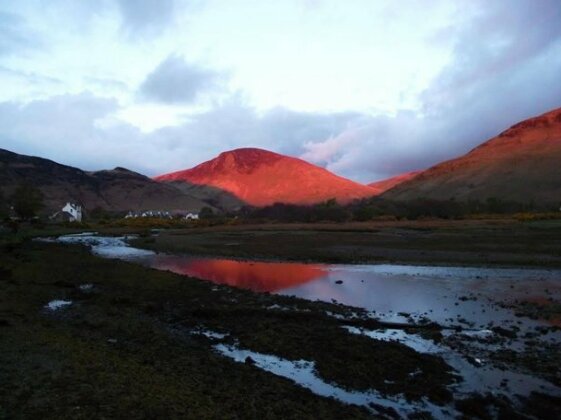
{"x":260,"y":178}
{"x":388,"y":183}
{"x":222,"y":200}
{"x":521,"y":164}
{"x":113,"y":190}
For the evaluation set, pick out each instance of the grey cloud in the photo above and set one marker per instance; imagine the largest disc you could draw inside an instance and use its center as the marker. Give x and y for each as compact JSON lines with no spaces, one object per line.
{"x":78,"y":130}
{"x":505,"y":68}
{"x":235,"y":124}
{"x":15,"y":36}
{"x":485,"y":89}
{"x":29,"y":77}
{"x":146,"y":17}
{"x":63,"y":128}
{"x":175,"y":81}
{"x":495,"y":44}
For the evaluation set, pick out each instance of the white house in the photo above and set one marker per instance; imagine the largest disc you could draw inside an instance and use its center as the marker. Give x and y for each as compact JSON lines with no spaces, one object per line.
{"x":192,"y":216}
{"x":73,"y":212}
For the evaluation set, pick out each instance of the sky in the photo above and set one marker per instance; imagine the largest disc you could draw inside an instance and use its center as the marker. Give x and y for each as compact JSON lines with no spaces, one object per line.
{"x":365,"y":88}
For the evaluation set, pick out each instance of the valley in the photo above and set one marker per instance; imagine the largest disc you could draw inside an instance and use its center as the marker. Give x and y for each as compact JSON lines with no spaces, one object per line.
{"x":305,"y":209}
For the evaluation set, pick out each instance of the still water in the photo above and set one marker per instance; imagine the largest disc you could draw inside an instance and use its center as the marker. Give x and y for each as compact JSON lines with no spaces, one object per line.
{"x":473,"y":296}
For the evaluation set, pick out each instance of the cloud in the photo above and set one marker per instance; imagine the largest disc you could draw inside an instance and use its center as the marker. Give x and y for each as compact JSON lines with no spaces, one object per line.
{"x":495,"y":44}
{"x":505,"y":67}
{"x":106,"y":83}
{"x":174,"y":81}
{"x":80,"y":130}
{"x":15,"y":36}
{"x":146,"y":17}
{"x":29,"y":77}
{"x":63,"y":128}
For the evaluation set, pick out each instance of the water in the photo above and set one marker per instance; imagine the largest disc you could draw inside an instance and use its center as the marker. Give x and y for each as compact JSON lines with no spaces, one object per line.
{"x":104,"y":246}
{"x":464,"y":296}
{"x":475,"y":299}
{"x":303,"y":373}
{"x":447,"y":295}
{"x":56,"y":304}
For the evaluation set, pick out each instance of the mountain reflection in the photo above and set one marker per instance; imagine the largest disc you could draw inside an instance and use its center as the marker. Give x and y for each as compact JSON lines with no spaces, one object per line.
{"x":256,"y":276}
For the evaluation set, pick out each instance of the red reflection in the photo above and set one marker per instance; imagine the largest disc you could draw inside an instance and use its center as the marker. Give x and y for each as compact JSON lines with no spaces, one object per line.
{"x":256,"y":276}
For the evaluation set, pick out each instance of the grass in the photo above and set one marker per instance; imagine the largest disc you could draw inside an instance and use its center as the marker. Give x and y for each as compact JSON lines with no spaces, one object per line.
{"x":464,"y":242}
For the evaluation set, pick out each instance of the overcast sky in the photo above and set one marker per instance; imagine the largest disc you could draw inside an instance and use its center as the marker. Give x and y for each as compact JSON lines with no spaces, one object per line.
{"x":365,"y":88}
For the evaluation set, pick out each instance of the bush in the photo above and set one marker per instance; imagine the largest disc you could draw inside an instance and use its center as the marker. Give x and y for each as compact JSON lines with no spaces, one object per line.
{"x":27,"y":201}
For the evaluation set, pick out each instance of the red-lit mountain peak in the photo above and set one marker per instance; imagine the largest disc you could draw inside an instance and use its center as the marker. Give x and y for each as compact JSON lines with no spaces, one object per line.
{"x":261,"y":178}
{"x":244,"y":160}
{"x":521,"y":164}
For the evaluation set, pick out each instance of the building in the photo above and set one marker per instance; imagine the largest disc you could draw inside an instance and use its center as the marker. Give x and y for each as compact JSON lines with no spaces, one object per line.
{"x":160,"y":214}
{"x":163,"y":214}
{"x":73,"y":212}
{"x":69,"y":213}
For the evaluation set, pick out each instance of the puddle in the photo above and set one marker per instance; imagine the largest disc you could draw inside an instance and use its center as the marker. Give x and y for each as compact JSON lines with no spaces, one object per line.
{"x":54,"y":305}
{"x":104,"y":246}
{"x":413,"y":341}
{"x":302,"y":372}
{"x":210,"y":334}
{"x":477,"y":375}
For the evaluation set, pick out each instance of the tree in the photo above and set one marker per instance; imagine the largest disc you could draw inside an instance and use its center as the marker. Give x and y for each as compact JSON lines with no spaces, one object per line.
{"x":27,"y":201}
{"x":206,"y":213}
{"x":4,"y":209}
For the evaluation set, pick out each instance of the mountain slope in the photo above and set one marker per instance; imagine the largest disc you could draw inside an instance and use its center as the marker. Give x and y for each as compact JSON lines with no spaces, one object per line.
{"x":261,"y":178}
{"x":521,"y":164}
{"x":113,"y":190}
{"x":388,"y":183}
{"x":215,"y":197}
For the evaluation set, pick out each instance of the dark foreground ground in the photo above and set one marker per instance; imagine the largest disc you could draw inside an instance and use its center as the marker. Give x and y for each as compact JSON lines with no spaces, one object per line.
{"x":462,"y":242}
{"x":125,"y":348}
{"x":128,"y":347}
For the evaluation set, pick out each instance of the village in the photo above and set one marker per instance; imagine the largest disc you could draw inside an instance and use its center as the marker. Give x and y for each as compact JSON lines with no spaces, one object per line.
{"x":72,"y":212}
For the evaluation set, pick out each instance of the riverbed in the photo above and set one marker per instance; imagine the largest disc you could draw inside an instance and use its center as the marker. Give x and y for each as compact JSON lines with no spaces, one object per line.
{"x":485,"y":329}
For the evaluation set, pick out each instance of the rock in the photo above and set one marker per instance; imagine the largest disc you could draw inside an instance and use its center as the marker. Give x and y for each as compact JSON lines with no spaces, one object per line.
{"x":504,"y":332}
{"x":249,"y":361}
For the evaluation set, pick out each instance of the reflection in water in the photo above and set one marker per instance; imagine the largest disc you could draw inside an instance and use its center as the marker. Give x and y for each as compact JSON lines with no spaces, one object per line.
{"x":447,"y":295}
{"x":472,"y":296}
{"x":256,"y":276}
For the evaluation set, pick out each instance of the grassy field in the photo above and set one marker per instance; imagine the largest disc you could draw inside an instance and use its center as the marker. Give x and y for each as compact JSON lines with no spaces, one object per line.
{"x":462,"y":242}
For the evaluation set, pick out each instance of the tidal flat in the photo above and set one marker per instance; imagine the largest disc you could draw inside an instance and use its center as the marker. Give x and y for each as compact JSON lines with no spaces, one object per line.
{"x":494,"y":242}
{"x":86,"y":336}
